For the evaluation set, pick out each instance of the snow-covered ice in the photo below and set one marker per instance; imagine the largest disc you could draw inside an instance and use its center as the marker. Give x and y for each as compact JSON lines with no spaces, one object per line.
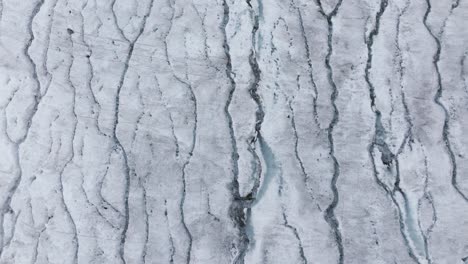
{"x":256,"y":131}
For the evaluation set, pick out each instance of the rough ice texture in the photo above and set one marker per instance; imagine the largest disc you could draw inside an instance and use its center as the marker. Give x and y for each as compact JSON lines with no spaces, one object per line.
{"x":279,"y":131}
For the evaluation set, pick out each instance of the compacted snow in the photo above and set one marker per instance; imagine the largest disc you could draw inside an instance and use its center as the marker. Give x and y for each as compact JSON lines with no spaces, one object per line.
{"x":257,"y":131}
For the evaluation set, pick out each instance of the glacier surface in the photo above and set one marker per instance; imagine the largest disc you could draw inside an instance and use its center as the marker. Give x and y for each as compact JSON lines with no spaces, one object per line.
{"x":256,"y":131}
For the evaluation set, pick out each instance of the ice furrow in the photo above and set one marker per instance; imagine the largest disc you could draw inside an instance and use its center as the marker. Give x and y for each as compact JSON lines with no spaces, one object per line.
{"x":142,"y":184}
{"x":253,"y":195}
{"x":183,"y":131}
{"x":408,"y":224}
{"x":171,"y":242}
{"x":72,"y":155}
{"x":236,"y":210}
{"x":427,"y":195}
{"x":193,"y":141}
{"x":409,"y":132}
{"x":169,"y":114}
{"x":37,"y":98}
{"x":369,"y":42}
{"x":296,"y":235}
{"x":298,"y":157}
{"x":409,"y":227}
{"x":116,"y":122}
{"x":309,"y":63}
{"x":463,"y":73}
{"x":330,"y":216}
{"x":438,"y":96}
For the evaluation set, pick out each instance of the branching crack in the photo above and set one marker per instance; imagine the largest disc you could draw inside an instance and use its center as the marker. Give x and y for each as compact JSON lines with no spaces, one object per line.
{"x":240,"y":209}
{"x":309,"y":63}
{"x":398,"y":196}
{"x":116,"y":140}
{"x":438,"y":96}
